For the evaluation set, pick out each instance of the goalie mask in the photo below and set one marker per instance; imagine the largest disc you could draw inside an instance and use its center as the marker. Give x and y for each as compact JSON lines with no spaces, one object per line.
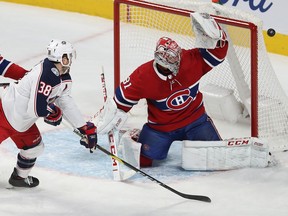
{"x":57,"y":49}
{"x":168,"y":54}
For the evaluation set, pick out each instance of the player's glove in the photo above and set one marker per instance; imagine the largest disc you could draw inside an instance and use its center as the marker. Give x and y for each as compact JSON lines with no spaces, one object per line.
{"x":209,"y":33}
{"x":55,"y":116}
{"x":90,"y":138}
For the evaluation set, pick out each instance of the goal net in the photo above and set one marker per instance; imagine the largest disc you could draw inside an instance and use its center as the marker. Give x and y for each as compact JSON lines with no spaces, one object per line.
{"x":244,"y":87}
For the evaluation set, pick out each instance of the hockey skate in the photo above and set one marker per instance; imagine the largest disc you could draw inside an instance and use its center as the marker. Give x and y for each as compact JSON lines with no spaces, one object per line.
{"x":18,"y":181}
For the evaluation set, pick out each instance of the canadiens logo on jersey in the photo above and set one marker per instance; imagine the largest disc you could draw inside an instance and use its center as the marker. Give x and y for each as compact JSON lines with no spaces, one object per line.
{"x":179,"y":99}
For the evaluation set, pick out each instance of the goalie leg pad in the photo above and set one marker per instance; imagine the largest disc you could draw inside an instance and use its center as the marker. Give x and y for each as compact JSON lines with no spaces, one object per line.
{"x":129,"y":148}
{"x":225,"y":155}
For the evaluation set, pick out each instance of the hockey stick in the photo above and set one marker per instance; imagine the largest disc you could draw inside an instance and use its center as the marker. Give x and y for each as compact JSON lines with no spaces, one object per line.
{"x":4,"y":84}
{"x":104,"y":91}
{"x":7,"y":84}
{"x":186,"y":196}
{"x":111,"y":137}
{"x":103,"y":82}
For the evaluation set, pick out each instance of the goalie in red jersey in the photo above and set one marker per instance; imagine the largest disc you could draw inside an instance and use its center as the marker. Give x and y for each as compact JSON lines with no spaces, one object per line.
{"x":170,"y":85}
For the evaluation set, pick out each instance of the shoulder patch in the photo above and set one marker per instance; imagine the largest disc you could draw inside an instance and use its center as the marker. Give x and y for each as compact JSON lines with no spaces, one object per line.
{"x":55,"y":71}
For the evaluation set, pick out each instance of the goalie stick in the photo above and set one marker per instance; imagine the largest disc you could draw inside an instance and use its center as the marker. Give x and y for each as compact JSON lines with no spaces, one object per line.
{"x":111,"y":136}
{"x":186,"y":196}
{"x":104,"y":91}
{"x":103,"y":82}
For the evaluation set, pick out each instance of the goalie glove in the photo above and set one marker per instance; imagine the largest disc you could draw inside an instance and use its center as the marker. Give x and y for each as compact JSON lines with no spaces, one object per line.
{"x":110,"y":117}
{"x":207,"y":31}
{"x":90,"y":136}
{"x":55,"y":115}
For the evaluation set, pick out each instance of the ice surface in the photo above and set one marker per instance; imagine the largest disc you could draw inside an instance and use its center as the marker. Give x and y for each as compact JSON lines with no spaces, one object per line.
{"x":75,"y":182}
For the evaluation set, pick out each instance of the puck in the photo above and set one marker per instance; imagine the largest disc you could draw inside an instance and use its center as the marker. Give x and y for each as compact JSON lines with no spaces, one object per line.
{"x":271,"y":32}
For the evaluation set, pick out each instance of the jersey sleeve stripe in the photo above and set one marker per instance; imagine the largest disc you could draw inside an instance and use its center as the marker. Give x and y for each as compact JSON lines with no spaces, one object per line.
{"x":128,"y":101}
{"x":4,"y":65}
{"x":122,"y":104}
{"x":122,"y":100}
{"x":209,"y":58}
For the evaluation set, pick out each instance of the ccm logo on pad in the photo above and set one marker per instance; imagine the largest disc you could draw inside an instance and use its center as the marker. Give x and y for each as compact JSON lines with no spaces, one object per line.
{"x":238,"y":142}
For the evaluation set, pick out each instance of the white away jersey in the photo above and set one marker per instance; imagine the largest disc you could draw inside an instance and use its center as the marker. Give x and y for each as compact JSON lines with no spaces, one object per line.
{"x":25,"y":102}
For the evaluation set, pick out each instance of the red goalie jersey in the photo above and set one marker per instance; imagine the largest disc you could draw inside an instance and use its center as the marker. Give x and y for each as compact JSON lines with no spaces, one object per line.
{"x":173,"y":101}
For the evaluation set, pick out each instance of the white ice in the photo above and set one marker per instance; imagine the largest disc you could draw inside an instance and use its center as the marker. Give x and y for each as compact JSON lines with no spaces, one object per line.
{"x":75,"y":182}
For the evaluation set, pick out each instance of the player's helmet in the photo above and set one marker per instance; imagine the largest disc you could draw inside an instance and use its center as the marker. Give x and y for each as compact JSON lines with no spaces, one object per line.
{"x":58,"y":48}
{"x":168,"y":54}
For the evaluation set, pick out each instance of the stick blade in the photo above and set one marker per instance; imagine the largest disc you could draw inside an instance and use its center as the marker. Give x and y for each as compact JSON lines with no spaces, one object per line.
{"x":196,"y":197}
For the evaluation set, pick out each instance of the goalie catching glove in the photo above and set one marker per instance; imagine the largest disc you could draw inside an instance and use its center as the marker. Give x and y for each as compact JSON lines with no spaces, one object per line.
{"x":110,"y":117}
{"x":55,"y":115}
{"x":90,"y":136}
{"x":207,"y":31}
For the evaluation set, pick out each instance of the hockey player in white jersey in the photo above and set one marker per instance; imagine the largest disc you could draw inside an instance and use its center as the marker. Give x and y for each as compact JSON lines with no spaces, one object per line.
{"x":42,"y":92}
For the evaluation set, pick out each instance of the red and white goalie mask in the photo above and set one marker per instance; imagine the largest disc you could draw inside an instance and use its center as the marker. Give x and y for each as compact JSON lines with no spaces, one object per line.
{"x":168,"y":54}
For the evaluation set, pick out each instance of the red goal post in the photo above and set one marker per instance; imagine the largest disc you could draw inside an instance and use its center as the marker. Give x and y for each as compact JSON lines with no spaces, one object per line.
{"x":134,"y":19}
